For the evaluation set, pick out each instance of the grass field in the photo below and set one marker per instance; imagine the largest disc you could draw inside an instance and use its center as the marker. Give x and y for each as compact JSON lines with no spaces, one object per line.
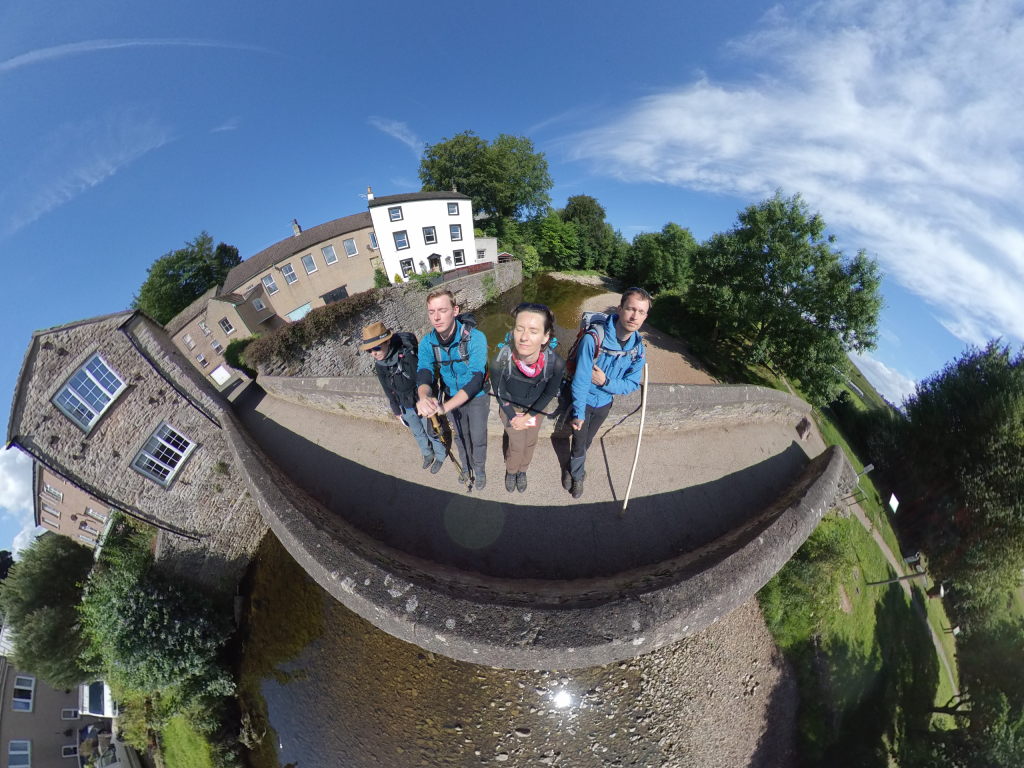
{"x":183,"y":747}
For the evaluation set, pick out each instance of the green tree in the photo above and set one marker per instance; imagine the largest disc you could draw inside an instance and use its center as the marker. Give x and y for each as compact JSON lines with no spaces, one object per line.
{"x":39,"y":600}
{"x":180,"y":277}
{"x":507,"y":179}
{"x":597,"y":239}
{"x":6,"y":561}
{"x":661,"y":260}
{"x":775,"y":288}
{"x":557,"y":242}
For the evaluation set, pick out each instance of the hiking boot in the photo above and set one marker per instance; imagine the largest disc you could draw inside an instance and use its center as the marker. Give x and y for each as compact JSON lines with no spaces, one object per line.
{"x":521,"y":481}
{"x":577,"y":488}
{"x":427,"y":461}
{"x":479,"y":479}
{"x":464,"y":477}
{"x":510,"y":482}
{"x":566,"y":479}
{"x":436,"y":466}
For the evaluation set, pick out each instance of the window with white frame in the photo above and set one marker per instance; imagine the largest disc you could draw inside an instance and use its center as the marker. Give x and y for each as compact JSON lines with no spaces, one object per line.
{"x":24,"y":688}
{"x":101,"y":516}
{"x":429,"y":235}
{"x":202,"y":360}
{"x":481,"y":253}
{"x":308,"y":263}
{"x":51,"y":510}
{"x":258,"y":305}
{"x":52,"y":492}
{"x":51,"y":522}
{"x":187,"y":339}
{"x":269,"y":284}
{"x":226,"y":326}
{"x":395,"y":214}
{"x":89,"y":392}
{"x":163,"y":454}
{"x":19,"y":753}
{"x":329,"y":255}
{"x":70,"y":713}
{"x":455,"y":230}
{"x":88,"y":527}
{"x":87,"y":540}
{"x":349,"y":244}
{"x":453,"y":209}
{"x":401,"y":240}
{"x":289,"y":274}
{"x":71,"y":750}
{"x":459,"y":256}
{"x":407,"y":268}
{"x":206,"y":329}
{"x":217,"y":346}
{"x":373,"y":241}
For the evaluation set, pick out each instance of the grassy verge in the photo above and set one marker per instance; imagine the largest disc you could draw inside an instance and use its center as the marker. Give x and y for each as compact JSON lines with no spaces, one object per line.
{"x":184,"y":747}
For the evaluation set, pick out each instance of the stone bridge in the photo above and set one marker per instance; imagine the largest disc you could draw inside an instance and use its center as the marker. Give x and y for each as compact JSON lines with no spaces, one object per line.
{"x":725,"y":493}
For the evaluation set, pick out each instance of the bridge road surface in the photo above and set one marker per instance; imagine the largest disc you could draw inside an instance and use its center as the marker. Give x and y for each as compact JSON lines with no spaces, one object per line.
{"x":690,"y":488}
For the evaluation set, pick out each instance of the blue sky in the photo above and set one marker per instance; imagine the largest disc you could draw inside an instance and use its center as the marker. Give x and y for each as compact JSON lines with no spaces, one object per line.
{"x":127,"y":128}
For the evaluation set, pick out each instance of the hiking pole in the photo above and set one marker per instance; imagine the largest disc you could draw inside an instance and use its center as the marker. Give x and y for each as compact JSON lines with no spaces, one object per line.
{"x":639,"y":437}
{"x":436,"y":425}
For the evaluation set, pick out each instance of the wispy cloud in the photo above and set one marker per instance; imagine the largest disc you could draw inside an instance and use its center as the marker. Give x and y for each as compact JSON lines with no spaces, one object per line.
{"x":16,"y":497}
{"x":74,"y":158}
{"x":231,"y":124}
{"x":894,"y":385}
{"x":400,"y":131}
{"x":899,"y":121}
{"x":41,"y":55}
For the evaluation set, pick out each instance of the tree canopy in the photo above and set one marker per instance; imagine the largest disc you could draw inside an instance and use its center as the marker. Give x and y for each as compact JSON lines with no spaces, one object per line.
{"x":180,"y":277}
{"x":507,"y":179}
{"x":661,"y":260}
{"x":774,"y":285}
{"x":598,"y":242}
{"x":39,"y":600}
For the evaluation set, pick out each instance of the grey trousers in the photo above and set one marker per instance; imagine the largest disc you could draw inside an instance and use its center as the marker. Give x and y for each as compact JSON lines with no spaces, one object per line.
{"x":470,"y":433}
{"x":581,"y":440}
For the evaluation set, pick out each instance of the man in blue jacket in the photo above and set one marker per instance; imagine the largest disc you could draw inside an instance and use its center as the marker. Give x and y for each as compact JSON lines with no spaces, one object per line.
{"x":615,"y":371}
{"x":458,"y":353}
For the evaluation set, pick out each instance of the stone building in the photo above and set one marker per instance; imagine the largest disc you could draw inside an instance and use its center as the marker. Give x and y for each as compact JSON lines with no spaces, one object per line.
{"x":62,"y":507}
{"x":112,"y":406}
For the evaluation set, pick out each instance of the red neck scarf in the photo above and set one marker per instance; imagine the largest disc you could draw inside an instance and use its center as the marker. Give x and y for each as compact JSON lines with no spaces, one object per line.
{"x":530,"y":371}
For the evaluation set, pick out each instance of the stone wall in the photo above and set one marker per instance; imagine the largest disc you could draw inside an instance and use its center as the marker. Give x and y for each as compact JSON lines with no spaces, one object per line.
{"x":401,"y":308}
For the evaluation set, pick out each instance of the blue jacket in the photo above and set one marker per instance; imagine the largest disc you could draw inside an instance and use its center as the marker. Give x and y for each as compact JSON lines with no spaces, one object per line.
{"x":623,"y":371}
{"x":456,"y":373}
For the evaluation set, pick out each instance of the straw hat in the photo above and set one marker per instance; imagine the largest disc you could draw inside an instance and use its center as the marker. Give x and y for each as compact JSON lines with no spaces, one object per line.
{"x":374,"y":335}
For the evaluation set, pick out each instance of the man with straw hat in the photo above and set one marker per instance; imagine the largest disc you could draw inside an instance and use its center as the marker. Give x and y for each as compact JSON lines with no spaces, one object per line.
{"x":395,"y":362}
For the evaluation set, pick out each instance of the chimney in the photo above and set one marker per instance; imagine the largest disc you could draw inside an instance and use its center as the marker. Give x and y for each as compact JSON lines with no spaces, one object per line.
{"x":296,"y":229}
{"x":369,"y":193}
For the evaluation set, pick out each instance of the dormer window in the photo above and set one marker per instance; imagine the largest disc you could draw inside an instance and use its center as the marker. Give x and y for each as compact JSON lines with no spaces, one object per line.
{"x":89,"y":392}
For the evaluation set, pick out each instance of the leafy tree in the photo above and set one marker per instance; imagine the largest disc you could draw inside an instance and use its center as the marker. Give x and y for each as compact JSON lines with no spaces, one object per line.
{"x":557,"y":242}
{"x":775,"y":288}
{"x":39,"y":600}
{"x":661,"y":260}
{"x":6,"y":561}
{"x":597,"y":239}
{"x":507,"y":179}
{"x":180,"y":277}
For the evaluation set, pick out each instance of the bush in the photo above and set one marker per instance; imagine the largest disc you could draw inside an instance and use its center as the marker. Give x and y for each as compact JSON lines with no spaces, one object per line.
{"x":426,"y":279}
{"x":380,"y":279}
{"x":235,"y":357}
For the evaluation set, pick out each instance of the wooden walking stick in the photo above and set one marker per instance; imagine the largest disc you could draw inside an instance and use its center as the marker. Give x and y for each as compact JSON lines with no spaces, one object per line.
{"x":436,"y":425}
{"x":639,"y":437}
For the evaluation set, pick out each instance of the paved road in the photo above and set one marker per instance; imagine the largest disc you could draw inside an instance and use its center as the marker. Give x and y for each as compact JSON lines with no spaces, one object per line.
{"x":689,"y":489}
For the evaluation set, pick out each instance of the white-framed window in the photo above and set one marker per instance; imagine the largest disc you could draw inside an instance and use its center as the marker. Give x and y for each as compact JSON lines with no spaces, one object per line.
{"x":453,"y":209}
{"x":19,"y":753}
{"x":70,"y":713}
{"x":202,"y":360}
{"x":401,"y":240}
{"x":373,"y":241}
{"x":163,"y":454}
{"x":24,"y":688}
{"x":101,"y":516}
{"x":51,"y":511}
{"x":52,"y":492}
{"x":481,"y":253}
{"x":395,"y":214}
{"x":429,"y":235}
{"x":187,"y":339}
{"x":269,"y":284}
{"x":455,"y":230}
{"x":89,"y":541}
{"x":206,"y":329}
{"x":459,"y":256}
{"x":89,"y":392}
{"x":258,"y":305}
{"x":88,"y":527}
{"x":289,"y":274}
{"x":71,"y":750}
{"x":51,"y":522}
{"x":226,"y":326}
{"x":349,"y":244}
{"x":329,"y":255}
{"x":308,"y":264}
{"x":217,"y":346}
{"x":406,"y":265}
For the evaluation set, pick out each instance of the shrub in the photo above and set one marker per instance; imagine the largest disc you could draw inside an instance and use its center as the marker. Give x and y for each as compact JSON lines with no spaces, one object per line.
{"x":235,"y":357}
{"x":380,"y":279}
{"x":426,"y":279}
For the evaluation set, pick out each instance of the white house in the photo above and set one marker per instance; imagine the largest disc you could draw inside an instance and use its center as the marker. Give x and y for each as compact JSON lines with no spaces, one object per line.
{"x":427,"y":232}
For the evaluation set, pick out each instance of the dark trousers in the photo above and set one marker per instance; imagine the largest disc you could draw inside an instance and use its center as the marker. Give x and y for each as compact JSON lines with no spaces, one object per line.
{"x":581,"y":440}
{"x":470,"y":434}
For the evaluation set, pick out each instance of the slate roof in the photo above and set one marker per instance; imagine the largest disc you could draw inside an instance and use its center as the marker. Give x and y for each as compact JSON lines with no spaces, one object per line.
{"x":189,"y":313}
{"x":413,"y":196}
{"x":290,"y":246}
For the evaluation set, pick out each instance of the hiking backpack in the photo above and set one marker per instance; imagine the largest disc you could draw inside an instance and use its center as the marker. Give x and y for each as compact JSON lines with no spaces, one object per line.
{"x":407,"y":346}
{"x":504,"y":356}
{"x":593,"y":324}
{"x":468,"y":321}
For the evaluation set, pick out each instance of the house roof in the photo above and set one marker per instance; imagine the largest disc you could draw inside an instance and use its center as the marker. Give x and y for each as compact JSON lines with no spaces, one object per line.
{"x":288,"y":247}
{"x":190,"y":313}
{"x":414,"y":196}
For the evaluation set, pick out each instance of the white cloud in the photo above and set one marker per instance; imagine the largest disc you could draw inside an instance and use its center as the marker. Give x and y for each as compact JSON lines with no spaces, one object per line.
{"x":74,"y":158}
{"x":16,"y":497}
{"x":231,"y":124}
{"x":41,"y":55}
{"x":898,"y":121}
{"x":400,"y":131}
{"x":894,"y":385}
